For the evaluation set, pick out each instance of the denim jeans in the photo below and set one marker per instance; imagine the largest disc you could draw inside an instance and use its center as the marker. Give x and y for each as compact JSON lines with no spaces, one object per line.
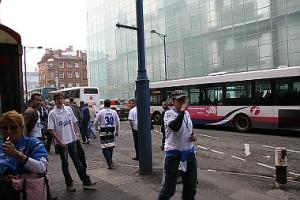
{"x":189,"y":178}
{"x":71,"y":149}
{"x":91,"y":129}
{"x":108,"y":153}
{"x":84,"y":132}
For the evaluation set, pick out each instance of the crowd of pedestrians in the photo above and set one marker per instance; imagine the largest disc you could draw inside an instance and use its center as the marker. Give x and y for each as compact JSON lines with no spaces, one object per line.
{"x":26,"y":142}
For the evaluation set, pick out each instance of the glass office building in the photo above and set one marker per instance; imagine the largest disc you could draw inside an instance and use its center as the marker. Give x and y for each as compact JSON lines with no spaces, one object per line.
{"x":203,"y":36}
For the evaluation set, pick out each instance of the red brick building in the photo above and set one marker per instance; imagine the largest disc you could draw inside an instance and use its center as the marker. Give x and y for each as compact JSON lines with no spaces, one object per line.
{"x":63,"y":68}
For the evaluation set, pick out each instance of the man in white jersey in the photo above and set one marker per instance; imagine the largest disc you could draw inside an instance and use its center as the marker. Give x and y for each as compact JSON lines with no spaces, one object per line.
{"x":32,"y":117}
{"x":63,"y":127}
{"x":109,"y":123}
{"x":132,"y":117}
{"x":179,"y":150}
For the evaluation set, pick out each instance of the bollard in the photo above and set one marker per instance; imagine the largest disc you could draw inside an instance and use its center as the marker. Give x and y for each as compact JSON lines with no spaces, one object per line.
{"x":281,"y":167}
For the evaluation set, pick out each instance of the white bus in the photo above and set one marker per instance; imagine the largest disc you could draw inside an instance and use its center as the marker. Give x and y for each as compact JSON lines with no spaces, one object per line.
{"x":89,"y":95}
{"x":255,"y":99}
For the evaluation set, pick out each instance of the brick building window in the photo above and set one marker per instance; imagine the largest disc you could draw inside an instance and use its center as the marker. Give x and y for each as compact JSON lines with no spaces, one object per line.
{"x":77,"y":84}
{"x":76,"y":65}
{"x":69,"y":65}
{"x":70,"y":85}
{"x":44,"y":76}
{"x":50,"y":64}
{"x":61,"y":75}
{"x":77,"y":75}
{"x":62,"y":86}
{"x":51,"y":75}
{"x":69,"y":74}
{"x":61,"y":64}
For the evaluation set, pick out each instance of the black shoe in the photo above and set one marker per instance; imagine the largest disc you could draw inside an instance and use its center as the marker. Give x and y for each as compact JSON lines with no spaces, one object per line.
{"x":89,"y":186}
{"x":135,"y":158}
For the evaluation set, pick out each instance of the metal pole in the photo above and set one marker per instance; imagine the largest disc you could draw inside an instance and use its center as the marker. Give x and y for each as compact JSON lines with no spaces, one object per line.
{"x":25,"y":76}
{"x":281,"y":167}
{"x":143,"y":98}
{"x":165,"y":53}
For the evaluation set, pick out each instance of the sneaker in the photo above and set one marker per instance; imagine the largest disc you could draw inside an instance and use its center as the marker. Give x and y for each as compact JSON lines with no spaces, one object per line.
{"x":110,"y":166}
{"x":71,"y":188}
{"x":89,"y":141}
{"x":89,"y":186}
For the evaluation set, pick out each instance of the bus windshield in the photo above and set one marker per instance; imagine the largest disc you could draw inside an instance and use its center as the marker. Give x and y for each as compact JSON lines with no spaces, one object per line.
{"x":90,"y":91}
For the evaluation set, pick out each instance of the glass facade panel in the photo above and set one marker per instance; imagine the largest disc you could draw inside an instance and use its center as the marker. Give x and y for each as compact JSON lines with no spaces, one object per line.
{"x":203,"y":36}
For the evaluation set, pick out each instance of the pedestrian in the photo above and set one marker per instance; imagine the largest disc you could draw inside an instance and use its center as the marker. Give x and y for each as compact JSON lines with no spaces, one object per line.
{"x":63,"y":126}
{"x":80,"y":150}
{"x":84,"y":123}
{"x":109,"y":123}
{"x":165,"y":108}
{"x":132,"y":117}
{"x":179,"y":150}
{"x":91,"y":128}
{"x":32,"y":117}
{"x":21,"y":157}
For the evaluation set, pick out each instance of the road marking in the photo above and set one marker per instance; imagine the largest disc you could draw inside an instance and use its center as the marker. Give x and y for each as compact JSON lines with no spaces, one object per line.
{"x":202,"y":147}
{"x":208,"y":136}
{"x":293,"y":151}
{"x":247,"y":149}
{"x":294,"y":174}
{"x":211,"y":170}
{"x":219,"y":152}
{"x":264,"y":165}
{"x":232,"y":156}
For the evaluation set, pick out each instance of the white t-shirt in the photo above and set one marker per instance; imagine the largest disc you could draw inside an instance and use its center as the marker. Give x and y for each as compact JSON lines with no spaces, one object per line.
{"x":37,"y":130}
{"x":107,"y":117}
{"x":61,"y":121}
{"x":132,"y":116}
{"x":179,"y":140}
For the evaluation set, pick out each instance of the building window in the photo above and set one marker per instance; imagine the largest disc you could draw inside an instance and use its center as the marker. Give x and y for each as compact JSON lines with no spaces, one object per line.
{"x":70,"y":85}
{"x":62,"y":86}
{"x":44,"y":76}
{"x":50,"y":64}
{"x":77,"y":75}
{"x":61,"y":75}
{"x":76,"y":65}
{"x":77,"y":84}
{"x":52,"y":85}
{"x":69,"y":65}
{"x":51,"y":75}
{"x":61,"y":64}
{"x":69,"y":74}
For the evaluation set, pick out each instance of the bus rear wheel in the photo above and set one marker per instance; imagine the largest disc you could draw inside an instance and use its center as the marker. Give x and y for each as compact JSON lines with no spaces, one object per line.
{"x":242,"y":123}
{"x":157,"y":118}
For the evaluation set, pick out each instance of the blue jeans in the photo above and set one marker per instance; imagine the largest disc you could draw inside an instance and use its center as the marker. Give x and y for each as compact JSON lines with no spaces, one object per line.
{"x":84,"y":131}
{"x":71,"y":149}
{"x":189,"y":178}
{"x":108,"y":153}
{"x":91,"y":129}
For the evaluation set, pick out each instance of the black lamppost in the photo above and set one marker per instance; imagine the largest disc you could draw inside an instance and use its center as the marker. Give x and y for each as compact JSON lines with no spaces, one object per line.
{"x":142,"y":95}
{"x":25,"y":68}
{"x":163,"y":38}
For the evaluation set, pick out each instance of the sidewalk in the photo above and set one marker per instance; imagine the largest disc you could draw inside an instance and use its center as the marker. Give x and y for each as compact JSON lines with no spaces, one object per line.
{"x":124,"y":183}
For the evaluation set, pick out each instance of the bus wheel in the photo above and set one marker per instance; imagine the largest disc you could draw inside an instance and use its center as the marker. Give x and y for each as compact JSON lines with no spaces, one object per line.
{"x":157,"y":118}
{"x":242,"y":123}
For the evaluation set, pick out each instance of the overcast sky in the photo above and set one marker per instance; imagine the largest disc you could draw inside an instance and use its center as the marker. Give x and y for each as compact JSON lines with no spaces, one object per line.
{"x":52,"y":24}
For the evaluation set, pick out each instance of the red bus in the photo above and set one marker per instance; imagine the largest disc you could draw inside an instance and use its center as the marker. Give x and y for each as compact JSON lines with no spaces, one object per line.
{"x":254,"y":99}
